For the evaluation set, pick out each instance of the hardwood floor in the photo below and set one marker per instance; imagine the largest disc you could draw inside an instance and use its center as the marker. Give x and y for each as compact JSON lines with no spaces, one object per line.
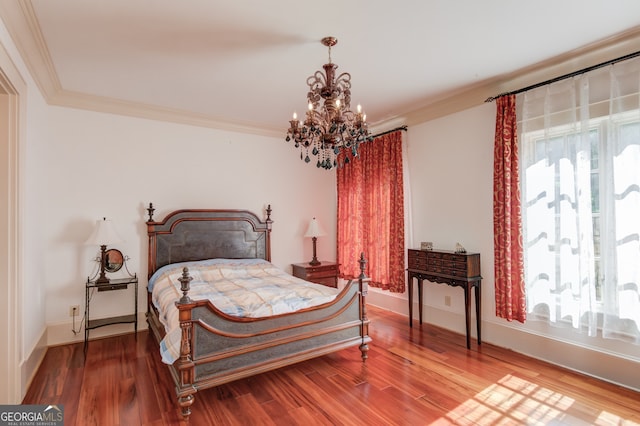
{"x":419,"y":376}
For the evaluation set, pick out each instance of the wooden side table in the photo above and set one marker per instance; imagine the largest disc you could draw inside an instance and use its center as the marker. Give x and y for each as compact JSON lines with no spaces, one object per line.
{"x":326,"y":273}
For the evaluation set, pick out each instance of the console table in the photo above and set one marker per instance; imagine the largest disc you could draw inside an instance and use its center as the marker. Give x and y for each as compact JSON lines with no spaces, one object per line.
{"x":446,"y":267}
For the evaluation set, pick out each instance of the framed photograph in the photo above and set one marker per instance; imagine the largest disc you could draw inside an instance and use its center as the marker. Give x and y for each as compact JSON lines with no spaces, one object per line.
{"x":426,"y":245}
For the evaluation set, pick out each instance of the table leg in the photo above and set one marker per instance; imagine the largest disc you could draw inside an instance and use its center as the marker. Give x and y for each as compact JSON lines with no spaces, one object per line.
{"x":86,"y":317}
{"x":410,"y":283}
{"x":467,"y":311}
{"x":420,"y":288}
{"x":478,"y":310}
{"x":135,"y":325}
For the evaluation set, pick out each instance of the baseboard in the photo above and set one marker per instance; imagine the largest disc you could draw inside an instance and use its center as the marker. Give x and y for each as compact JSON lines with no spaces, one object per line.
{"x":605,"y":365}
{"x":608,"y":366}
{"x":62,"y":333}
{"x":29,"y":366}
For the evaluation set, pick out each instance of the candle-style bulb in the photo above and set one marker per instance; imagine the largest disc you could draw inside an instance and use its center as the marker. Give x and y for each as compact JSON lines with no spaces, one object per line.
{"x":295,"y":116}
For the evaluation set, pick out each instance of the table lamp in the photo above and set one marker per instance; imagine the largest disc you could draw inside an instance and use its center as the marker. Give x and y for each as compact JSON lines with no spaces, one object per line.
{"x":314,"y":231}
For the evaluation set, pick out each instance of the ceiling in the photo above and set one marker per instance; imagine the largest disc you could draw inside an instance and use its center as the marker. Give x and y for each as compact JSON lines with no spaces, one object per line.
{"x":242,"y":65}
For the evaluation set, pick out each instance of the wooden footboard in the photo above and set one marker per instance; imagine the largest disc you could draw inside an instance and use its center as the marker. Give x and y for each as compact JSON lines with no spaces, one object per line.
{"x":217,"y":348}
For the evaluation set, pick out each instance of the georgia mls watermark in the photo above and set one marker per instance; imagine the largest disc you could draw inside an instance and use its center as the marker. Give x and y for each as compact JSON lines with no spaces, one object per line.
{"x":31,"y":415}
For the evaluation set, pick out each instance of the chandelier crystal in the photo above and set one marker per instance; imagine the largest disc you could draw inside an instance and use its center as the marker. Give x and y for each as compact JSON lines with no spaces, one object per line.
{"x":331,"y":131}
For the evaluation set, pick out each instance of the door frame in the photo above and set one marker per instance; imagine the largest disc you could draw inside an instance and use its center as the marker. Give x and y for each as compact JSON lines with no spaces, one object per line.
{"x":12,"y":113}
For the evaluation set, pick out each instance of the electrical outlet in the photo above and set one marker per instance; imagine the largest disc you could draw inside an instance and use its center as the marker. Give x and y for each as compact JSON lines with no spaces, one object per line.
{"x":74,"y":310}
{"x":447,"y":301}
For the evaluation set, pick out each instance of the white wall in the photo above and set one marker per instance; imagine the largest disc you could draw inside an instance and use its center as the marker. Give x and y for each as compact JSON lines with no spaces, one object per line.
{"x":450,"y":162}
{"x":113,"y":166}
{"x":450,"y":167}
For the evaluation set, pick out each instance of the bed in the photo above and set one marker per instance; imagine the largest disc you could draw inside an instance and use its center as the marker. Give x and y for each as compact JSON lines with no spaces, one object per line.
{"x":215,"y":347}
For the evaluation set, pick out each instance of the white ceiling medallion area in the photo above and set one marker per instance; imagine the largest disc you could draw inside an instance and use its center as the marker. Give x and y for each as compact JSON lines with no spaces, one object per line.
{"x":228,"y":66}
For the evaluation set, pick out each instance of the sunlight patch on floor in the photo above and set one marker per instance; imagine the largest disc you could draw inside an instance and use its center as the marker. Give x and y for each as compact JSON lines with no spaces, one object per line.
{"x":513,"y":400}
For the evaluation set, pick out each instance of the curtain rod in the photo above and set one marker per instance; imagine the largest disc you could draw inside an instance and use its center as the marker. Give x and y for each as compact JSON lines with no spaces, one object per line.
{"x":563,"y":77}
{"x":389,"y":131}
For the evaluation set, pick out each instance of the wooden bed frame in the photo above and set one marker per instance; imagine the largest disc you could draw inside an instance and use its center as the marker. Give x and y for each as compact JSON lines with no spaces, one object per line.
{"x":217,"y":348}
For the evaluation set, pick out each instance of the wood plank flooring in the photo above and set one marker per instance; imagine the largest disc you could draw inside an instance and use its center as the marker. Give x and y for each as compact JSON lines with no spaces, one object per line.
{"x":419,"y":376}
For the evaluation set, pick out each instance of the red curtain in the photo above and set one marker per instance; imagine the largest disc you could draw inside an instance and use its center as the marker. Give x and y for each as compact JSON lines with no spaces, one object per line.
{"x":507,"y":215}
{"x":371,"y":213}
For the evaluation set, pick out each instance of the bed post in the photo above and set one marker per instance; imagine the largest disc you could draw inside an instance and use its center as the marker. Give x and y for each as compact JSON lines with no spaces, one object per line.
{"x":268,"y":223}
{"x":151,"y":256}
{"x":363,"y":283}
{"x":184,"y":364}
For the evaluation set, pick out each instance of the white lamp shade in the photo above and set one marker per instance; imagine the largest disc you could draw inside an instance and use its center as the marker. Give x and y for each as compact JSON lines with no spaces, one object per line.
{"x":104,"y":234}
{"x":314,"y":229}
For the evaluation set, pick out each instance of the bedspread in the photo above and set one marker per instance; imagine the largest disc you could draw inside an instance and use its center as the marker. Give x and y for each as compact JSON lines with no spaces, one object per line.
{"x":251,"y":288}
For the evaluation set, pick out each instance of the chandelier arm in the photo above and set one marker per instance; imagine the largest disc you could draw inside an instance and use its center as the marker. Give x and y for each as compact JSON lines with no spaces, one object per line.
{"x":318,"y":118}
{"x":317,"y":80}
{"x":344,"y":78}
{"x":349,"y":115}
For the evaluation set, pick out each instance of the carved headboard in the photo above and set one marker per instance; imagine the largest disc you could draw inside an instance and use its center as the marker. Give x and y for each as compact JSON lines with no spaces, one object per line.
{"x":187,"y":235}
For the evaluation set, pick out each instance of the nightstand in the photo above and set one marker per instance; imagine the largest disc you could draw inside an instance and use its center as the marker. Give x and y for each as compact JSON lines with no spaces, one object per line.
{"x":326,"y":273}
{"x":113,"y":284}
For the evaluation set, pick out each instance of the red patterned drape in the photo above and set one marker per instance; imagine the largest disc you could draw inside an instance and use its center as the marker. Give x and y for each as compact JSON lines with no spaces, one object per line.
{"x":507,"y":215}
{"x":371,"y":213}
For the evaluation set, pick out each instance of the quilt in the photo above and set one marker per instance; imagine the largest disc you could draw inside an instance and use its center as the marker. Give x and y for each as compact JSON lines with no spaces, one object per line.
{"x":250,"y":288}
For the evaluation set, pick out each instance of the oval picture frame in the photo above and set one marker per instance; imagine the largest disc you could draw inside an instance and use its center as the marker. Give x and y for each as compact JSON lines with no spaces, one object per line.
{"x":113,"y":260}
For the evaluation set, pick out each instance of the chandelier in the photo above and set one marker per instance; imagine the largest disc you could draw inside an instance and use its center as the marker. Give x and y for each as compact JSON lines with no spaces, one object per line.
{"x":331,"y":131}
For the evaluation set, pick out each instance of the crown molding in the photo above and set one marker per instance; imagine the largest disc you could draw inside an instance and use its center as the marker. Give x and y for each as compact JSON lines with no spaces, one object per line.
{"x":107,"y":105}
{"x":605,"y":50}
{"x":22,"y":23}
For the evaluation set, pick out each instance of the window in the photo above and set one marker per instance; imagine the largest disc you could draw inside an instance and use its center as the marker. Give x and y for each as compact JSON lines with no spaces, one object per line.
{"x":580,"y":193}
{"x":549,"y":155}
